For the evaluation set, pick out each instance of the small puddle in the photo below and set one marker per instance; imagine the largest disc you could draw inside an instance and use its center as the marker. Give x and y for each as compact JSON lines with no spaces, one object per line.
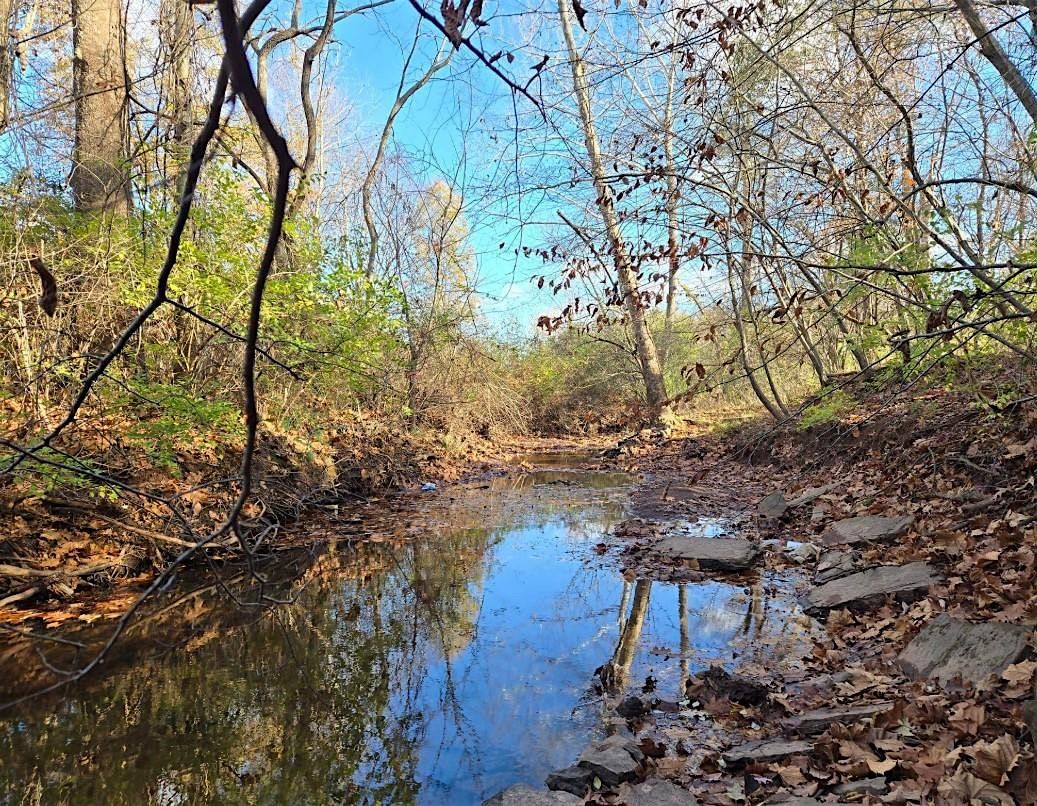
{"x":437,"y":673}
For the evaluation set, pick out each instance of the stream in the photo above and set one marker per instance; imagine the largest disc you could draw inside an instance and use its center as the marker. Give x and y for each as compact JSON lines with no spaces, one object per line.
{"x":435,"y":670}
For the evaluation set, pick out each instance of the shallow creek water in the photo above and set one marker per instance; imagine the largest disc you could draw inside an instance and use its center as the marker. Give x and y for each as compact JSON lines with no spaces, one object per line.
{"x":436,"y":671}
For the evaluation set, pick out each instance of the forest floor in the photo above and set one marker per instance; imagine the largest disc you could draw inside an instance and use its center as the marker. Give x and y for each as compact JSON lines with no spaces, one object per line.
{"x":939,"y":483}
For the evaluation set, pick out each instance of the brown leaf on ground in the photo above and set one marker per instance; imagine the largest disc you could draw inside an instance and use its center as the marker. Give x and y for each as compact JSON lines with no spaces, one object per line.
{"x":993,"y":761}
{"x":882,"y":767}
{"x":791,"y":775}
{"x":964,"y":787}
{"x":967,"y":718}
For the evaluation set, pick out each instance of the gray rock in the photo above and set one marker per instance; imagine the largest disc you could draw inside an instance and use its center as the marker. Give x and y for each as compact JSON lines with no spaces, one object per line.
{"x":575,"y":780}
{"x":614,"y":760}
{"x":525,"y":795}
{"x":818,"y":721}
{"x":834,"y":564}
{"x":793,"y":800}
{"x":865,"y":528}
{"x":766,"y":750}
{"x":948,"y":648}
{"x":773,"y":506}
{"x":633,"y":708}
{"x":625,"y":743}
{"x":710,"y":553}
{"x":803,"y":552}
{"x":811,"y":493}
{"x":659,"y":793}
{"x":867,"y":786}
{"x":869,"y":588}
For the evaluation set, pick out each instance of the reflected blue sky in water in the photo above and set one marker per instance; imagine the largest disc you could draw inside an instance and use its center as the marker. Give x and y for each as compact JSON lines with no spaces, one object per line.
{"x":450,"y":670}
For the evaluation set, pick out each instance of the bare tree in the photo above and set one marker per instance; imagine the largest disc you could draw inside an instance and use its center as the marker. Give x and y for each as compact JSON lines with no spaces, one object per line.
{"x":403,"y":94}
{"x":647,"y":354}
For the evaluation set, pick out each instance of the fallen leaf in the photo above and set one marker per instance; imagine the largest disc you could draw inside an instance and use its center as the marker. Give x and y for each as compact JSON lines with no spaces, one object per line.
{"x":993,"y":761}
{"x":882,"y":767}
{"x":967,"y":788}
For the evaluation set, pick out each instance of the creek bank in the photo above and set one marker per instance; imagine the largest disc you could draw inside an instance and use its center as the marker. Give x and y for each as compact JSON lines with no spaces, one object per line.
{"x":921,"y":680}
{"x":71,"y":553}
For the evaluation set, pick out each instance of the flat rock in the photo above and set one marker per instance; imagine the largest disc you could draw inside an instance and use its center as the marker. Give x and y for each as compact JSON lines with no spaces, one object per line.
{"x":773,"y":506}
{"x":710,"y":553}
{"x":614,"y":760}
{"x":869,"y":588}
{"x":793,"y":800}
{"x":949,"y":648}
{"x":835,"y":563}
{"x":766,"y":750}
{"x":866,"y":786}
{"x":865,"y":528}
{"x":574,"y":780}
{"x":820,"y":720}
{"x":525,"y":795}
{"x":659,"y":793}
{"x":811,"y":493}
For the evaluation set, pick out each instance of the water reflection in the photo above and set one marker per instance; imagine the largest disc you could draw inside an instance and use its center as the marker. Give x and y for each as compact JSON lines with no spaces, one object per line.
{"x":435,"y":672}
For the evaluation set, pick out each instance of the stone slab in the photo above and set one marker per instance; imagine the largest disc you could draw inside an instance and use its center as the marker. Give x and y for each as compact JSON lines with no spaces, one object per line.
{"x":613,"y":760}
{"x":864,"y":786}
{"x":773,"y":505}
{"x":525,"y":795}
{"x":869,"y":588}
{"x":818,"y":721}
{"x":711,"y":553}
{"x":766,"y":750}
{"x":574,"y":780}
{"x":835,"y":563}
{"x":948,"y":648}
{"x":811,"y":493}
{"x":659,"y":793}
{"x":865,"y":528}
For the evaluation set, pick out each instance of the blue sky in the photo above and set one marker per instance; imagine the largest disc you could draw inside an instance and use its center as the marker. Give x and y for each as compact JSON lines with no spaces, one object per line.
{"x":447,"y":127}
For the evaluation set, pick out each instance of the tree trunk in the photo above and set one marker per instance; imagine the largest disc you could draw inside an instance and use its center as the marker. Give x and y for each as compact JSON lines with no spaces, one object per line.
{"x":176,"y":23}
{"x":100,"y":180}
{"x":743,"y":347}
{"x":644,"y":344}
{"x":6,"y":61}
{"x":991,"y":49}
{"x":672,"y":229}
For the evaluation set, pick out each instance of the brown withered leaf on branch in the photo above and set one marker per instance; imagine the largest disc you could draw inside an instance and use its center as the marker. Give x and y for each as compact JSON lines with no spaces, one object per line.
{"x":48,"y":286}
{"x":580,"y":13}
{"x":453,"y":20}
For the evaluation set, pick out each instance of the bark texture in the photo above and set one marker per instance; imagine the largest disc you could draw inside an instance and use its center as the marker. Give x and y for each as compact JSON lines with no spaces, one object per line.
{"x":100,"y":177}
